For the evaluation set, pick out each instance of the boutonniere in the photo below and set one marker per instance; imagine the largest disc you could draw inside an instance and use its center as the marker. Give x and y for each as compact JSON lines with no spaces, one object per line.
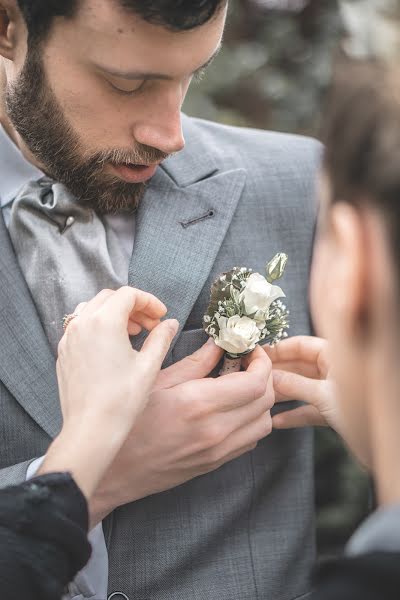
{"x":245,"y":310}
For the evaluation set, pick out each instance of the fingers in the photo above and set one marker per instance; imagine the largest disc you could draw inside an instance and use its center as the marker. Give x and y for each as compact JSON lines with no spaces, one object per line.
{"x":123,"y":305}
{"x":307,"y":369}
{"x":134,"y":328}
{"x":234,"y":390}
{"x":126,"y":308}
{"x":256,"y":362}
{"x":299,"y":348}
{"x":145,"y":310}
{"x":290,"y":386}
{"x":193,"y":367}
{"x":94,"y":303}
{"x":80,"y":308}
{"x":238,"y":389}
{"x":245,"y":437}
{"x":157,"y":344}
{"x":144,"y":321}
{"x":139,"y":321}
{"x":303,"y":416}
{"x":236,"y":419}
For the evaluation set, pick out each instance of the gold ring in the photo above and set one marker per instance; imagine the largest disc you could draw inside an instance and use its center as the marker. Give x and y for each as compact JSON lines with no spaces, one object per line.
{"x":67,"y":320}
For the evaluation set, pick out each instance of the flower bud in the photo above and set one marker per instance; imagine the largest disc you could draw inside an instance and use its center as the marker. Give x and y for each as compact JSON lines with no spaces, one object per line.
{"x":276,"y":267}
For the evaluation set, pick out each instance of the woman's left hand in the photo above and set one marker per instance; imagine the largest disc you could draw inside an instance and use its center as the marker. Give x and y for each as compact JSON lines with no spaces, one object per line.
{"x":104,"y":383}
{"x":301,"y":371}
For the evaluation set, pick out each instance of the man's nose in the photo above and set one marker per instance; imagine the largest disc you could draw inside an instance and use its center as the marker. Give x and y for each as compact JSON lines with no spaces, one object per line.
{"x":162,"y":130}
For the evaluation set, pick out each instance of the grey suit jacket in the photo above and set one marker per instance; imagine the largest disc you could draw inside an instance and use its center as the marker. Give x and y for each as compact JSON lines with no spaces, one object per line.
{"x":233,"y":197}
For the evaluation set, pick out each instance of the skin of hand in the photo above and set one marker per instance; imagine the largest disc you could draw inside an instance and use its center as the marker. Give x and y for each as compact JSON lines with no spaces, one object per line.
{"x":192,"y":425}
{"x":105,"y":384}
{"x":302,"y":371}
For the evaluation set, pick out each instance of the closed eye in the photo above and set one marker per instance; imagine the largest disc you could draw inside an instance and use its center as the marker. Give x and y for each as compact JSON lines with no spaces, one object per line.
{"x":126,"y":88}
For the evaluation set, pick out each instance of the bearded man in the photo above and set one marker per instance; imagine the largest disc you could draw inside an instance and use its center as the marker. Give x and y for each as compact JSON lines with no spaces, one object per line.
{"x":98,"y":189}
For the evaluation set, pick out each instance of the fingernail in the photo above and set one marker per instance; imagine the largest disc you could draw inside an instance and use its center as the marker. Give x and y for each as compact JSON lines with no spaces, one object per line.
{"x":175,"y":325}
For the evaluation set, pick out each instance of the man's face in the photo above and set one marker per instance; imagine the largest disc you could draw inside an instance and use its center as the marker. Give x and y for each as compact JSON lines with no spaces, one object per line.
{"x":98,"y":103}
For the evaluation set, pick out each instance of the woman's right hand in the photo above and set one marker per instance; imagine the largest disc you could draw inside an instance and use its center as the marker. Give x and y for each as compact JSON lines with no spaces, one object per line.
{"x":104,"y":383}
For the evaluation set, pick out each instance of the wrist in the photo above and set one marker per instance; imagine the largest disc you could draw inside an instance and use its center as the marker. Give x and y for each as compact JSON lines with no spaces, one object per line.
{"x":85,"y":456}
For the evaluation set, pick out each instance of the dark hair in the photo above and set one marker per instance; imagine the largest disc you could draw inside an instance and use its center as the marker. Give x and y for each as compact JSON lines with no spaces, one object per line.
{"x":362,"y":139}
{"x":177,"y":15}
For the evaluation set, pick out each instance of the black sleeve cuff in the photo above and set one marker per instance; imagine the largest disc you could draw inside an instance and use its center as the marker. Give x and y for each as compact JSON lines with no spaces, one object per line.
{"x":50,"y":508}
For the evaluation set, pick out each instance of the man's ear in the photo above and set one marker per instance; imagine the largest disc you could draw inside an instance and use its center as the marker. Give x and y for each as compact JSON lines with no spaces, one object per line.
{"x":382,"y":274}
{"x":9,"y":17}
{"x":350,"y":271}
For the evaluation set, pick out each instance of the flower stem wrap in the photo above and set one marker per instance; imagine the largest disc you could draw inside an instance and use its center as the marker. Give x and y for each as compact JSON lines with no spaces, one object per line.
{"x":230,"y":365}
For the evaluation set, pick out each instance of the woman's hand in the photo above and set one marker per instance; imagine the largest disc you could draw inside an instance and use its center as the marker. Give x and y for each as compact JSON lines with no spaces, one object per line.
{"x":301,"y":371}
{"x":104,"y":383}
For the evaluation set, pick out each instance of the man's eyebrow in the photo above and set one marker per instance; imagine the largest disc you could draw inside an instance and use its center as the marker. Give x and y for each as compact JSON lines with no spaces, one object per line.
{"x":142,"y":75}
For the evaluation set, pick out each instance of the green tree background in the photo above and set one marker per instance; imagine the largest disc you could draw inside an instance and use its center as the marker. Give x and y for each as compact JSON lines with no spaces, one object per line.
{"x":272,"y":73}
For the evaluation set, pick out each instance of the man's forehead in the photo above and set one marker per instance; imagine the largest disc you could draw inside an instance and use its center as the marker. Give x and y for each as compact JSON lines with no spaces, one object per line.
{"x":101,"y":15}
{"x":114,"y":18}
{"x":106,"y":34}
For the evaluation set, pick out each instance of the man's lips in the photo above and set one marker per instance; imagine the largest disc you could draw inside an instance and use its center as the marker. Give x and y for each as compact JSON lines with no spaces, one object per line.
{"x":134,"y":173}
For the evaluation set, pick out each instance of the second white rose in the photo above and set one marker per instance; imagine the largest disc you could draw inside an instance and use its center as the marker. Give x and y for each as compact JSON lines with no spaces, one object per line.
{"x":258,"y":295}
{"x":237,"y":334}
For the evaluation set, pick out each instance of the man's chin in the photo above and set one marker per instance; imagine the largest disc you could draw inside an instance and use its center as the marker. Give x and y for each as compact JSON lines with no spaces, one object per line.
{"x":120,"y":197}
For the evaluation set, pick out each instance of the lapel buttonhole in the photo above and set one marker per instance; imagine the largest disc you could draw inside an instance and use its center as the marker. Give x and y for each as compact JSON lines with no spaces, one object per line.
{"x":209,"y":214}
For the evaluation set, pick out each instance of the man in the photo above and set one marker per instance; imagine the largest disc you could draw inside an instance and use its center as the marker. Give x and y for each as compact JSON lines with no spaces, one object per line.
{"x":97,"y":190}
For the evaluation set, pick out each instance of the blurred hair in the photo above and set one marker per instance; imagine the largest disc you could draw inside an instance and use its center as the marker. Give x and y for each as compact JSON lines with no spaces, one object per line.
{"x":361,"y":133}
{"x":177,"y":15}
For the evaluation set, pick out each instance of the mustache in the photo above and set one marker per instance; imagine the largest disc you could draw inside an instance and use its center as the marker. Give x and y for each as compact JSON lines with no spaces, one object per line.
{"x":140,"y":155}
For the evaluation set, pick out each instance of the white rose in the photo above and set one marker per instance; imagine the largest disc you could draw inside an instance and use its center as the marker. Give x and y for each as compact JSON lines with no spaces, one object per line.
{"x":237,"y":334}
{"x":258,"y":294}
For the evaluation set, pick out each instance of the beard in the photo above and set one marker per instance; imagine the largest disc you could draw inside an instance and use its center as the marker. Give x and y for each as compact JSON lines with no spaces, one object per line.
{"x":39,"y":119}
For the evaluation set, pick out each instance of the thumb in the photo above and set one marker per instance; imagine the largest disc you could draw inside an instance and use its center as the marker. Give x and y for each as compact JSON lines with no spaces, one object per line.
{"x":195,"y":366}
{"x":157,"y":344}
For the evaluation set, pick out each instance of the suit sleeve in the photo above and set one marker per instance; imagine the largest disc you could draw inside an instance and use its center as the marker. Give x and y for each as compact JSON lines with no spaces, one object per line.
{"x":374,"y":576}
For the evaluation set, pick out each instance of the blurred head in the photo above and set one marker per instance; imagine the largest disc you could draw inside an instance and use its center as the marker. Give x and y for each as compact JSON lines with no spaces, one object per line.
{"x":94,"y":88}
{"x":356,"y":274}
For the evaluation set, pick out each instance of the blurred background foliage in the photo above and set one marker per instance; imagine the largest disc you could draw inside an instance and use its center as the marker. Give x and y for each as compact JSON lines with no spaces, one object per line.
{"x":272,"y":73}
{"x":274,"y":65}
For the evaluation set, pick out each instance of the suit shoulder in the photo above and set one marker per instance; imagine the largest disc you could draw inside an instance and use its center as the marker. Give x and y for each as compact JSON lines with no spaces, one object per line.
{"x":255,"y":148}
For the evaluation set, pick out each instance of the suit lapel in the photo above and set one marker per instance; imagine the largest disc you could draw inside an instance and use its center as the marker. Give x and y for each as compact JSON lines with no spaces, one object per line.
{"x":180,"y":227}
{"x":27,"y":366}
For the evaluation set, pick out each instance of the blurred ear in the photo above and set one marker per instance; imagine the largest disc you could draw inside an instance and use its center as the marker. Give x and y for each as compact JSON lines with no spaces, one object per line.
{"x":349,"y":268}
{"x":10,"y":18}
{"x":382,"y":274}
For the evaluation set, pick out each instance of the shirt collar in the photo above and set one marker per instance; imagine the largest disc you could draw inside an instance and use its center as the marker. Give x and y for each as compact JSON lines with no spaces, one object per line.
{"x":15,"y":169}
{"x":379,"y":533}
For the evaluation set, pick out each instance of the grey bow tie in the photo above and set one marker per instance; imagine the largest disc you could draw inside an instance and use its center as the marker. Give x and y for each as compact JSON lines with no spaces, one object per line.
{"x":66,"y":252}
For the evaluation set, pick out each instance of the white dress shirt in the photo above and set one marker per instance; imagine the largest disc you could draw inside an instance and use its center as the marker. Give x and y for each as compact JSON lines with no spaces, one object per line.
{"x":15,"y":171}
